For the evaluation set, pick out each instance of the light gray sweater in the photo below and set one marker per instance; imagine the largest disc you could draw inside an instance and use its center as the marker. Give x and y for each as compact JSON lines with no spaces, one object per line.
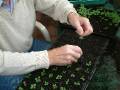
{"x":16,"y":34}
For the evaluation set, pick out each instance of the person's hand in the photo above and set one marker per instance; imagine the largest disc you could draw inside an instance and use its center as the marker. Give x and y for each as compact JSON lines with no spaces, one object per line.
{"x":81,"y":24}
{"x":64,"y":55}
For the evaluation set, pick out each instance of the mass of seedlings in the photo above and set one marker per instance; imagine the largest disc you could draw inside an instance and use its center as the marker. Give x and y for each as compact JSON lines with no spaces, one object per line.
{"x":104,"y":21}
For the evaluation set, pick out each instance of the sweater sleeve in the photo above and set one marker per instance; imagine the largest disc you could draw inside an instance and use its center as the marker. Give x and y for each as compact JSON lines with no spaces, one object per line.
{"x":57,"y":9}
{"x":14,"y":63}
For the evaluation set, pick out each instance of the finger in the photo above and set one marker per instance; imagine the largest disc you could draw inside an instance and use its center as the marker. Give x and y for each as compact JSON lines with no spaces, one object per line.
{"x":66,"y":59}
{"x":79,"y":30}
{"x":70,"y":58}
{"x":87,"y":28}
{"x":76,"y":24}
{"x":65,"y":62}
{"x":77,"y":49}
{"x":88,"y":31}
{"x":69,"y":61}
{"x":75,"y":54}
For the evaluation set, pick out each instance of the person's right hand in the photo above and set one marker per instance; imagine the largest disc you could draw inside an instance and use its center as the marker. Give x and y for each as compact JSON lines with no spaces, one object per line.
{"x":64,"y":55}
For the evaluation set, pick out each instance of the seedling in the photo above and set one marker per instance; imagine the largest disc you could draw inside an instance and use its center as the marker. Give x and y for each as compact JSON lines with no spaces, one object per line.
{"x":59,"y":77}
{"x":72,"y":75}
{"x":78,"y":69}
{"x":54,"y":86}
{"x":68,"y":66}
{"x":42,"y":88}
{"x":82,"y":78}
{"x":37,"y":79}
{"x":81,"y":37}
{"x":77,"y":83}
{"x":46,"y":83}
{"x":33,"y":86}
{"x":20,"y":88}
{"x":43,"y":73}
{"x":62,"y":88}
{"x":89,"y":63}
{"x":50,"y":75}
{"x":67,"y":81}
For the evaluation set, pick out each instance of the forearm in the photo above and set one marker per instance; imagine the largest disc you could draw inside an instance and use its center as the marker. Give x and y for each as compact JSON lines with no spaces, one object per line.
{"x":22,"y":63}
{"x":57,"y":9}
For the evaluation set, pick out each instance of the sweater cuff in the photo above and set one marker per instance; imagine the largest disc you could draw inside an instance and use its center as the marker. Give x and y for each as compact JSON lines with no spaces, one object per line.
{"x":66,"y":13}
{"x":42,"y":60}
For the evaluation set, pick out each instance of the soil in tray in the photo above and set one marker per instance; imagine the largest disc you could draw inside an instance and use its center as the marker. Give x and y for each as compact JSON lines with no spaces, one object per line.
{"x":104,"y":26}
{"x":116,"y":55}
{"x":70,"y":77}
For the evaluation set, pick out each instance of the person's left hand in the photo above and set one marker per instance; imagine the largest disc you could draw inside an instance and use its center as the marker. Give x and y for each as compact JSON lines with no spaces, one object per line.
{"x":81,"y":24}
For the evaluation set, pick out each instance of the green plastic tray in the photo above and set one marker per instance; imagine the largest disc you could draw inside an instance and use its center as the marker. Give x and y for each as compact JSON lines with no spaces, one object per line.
{"x":88,"y":2}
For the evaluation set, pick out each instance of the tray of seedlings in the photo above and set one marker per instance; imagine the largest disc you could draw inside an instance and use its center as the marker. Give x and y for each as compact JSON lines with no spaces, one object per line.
{"x":70,"y":77}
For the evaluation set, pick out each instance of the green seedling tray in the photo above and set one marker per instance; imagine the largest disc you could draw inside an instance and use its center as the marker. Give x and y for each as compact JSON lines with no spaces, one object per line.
{"x":88,"y":2}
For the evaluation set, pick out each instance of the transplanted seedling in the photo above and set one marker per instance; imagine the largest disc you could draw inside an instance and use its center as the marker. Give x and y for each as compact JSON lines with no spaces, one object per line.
{"x":37,"y":79}
{"x":20,"y":88}
{"x":77,"y":83}
{"x":81,"y":37}
{"x":42,"y":88}
{"x":33,"y":86}
{"x":46,"y":83}
{"x":43,"y":73}
{"x":87,"y":70}
{"x":24,"y":83}
{"x":55,"y":69}
{"x":89,"y":63}
{"x":78,"y":69}
{"x":59,"y":77}
{"x":67,"y":81}
{"x":50,"y":75}
{"x":62,"y":88}
{"x":68,"y":66}
{"x":54,"y":86}
{"x":83,"y":78}
{"x":72,"y":75}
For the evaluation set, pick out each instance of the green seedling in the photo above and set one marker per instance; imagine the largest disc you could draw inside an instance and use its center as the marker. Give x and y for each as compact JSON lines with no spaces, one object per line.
{"x":62,"y":88}
{"x":33,"y":86}
{"x":89,"y":63}
{"x":67,"y":81}
{"x":54,"y":86}
{"x":43,"y":73}
{"x":20,"y":88}
{"x":81,"y":37}
{"x":77,"y":83}
{"x":46,"y":83}
{"x":68,"y":66}
{"x":50,"y":75}
{"x":42,"y":88}
{"x":82,"y":78}
{"x":77,"y":69}
{"x":59,"y":77}
{"x":37,"y":79}
{"x":72,"y":75}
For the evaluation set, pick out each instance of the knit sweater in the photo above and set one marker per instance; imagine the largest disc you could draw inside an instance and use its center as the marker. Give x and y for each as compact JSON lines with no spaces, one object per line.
{"x":16,"y":34}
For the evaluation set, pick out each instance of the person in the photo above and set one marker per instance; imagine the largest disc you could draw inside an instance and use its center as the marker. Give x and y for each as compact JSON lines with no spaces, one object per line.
{"x":18,"y":55}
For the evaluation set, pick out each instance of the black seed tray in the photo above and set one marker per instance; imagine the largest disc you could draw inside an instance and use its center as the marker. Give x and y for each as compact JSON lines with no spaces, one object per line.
{"x":70,"y":77}
{"x":104,"y":26}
